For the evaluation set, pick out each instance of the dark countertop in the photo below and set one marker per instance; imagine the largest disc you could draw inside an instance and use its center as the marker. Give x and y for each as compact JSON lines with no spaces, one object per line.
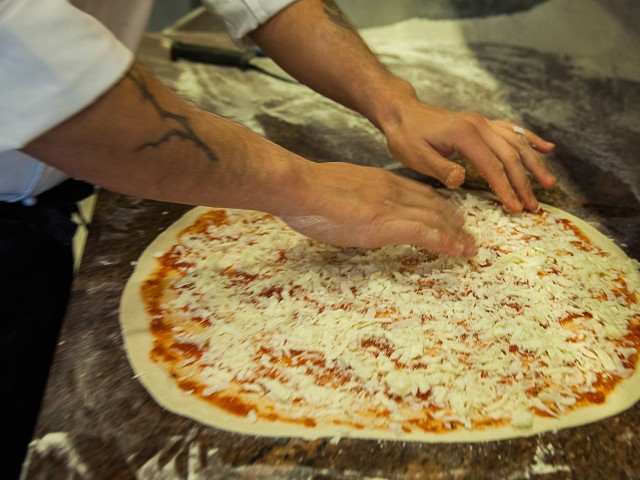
{"x":97,"y":420}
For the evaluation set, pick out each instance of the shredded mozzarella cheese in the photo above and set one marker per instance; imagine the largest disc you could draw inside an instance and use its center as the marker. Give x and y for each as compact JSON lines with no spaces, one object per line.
{"x":529,"y":325}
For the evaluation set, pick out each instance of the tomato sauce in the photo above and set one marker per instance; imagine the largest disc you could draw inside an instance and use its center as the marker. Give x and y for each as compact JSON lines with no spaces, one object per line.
{"x":171,"y":352}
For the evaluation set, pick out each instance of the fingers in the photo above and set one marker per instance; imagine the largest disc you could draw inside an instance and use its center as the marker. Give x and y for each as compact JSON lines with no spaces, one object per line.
{"x":425,"y":229}
{"x":419,"y":216}
{"x":513,"y":162}
{"x":367,"y":207}
{"x":534,"y":141}
{"x":397,"y":229}
{"x":449,"y":173}
{"x":504,"y":153}
{"x":507,"y":159}
{"x":412,"y":200}
{"x":495,"y":170}
{"x":417,"y":195}
{"x":431,"y":163}
{"x":527,"y":143}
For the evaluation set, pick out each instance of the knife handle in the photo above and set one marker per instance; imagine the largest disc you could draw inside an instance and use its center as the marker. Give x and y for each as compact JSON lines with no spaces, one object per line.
{"x":211,"y":55}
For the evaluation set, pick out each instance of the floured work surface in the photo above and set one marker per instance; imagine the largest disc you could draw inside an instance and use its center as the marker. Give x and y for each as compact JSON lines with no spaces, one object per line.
{"x":238,"y":322}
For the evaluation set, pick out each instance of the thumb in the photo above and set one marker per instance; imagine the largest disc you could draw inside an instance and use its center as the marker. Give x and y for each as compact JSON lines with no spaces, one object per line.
{"x":429,"y":162}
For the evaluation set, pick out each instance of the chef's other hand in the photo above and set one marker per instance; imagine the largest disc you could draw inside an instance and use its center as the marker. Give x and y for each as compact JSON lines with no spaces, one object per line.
{"x":422,"y":136}
{"x":369,"y":207}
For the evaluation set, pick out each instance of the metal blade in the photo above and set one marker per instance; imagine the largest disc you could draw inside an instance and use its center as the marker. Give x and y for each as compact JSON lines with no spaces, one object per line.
{"x":271,"y":68}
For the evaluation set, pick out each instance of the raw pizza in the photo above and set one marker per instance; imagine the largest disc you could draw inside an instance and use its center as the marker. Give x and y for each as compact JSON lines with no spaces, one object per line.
{"x":235,"y":320}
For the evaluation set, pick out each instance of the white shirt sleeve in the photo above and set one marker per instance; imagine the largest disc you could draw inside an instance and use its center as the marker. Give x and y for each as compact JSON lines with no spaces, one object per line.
{"x":55,"y":60}
{"x":243,"y":16}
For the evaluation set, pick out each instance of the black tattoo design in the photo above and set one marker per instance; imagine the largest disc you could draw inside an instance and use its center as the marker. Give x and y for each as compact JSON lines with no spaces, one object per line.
{"x":185,"y":133}
{"x":334,"y":14}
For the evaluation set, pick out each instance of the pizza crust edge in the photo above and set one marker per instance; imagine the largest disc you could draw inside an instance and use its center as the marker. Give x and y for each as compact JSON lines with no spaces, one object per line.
{"x":138,"y":341}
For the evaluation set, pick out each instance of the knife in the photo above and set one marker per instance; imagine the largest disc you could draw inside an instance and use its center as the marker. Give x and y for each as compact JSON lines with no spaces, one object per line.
{"x":244,"y":60}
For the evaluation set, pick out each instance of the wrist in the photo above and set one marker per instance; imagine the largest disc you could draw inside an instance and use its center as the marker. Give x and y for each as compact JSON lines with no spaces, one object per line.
{"x":273,"y":180}
{"x":386,"y":107}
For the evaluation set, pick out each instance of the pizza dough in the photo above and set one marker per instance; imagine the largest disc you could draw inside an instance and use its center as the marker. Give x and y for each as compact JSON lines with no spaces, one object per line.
{"x":432,"y":354}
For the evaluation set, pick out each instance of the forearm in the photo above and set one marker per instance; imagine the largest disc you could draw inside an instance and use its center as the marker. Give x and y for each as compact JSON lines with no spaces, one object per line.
{"x":141,"y":139}
{"x":317,"y":44}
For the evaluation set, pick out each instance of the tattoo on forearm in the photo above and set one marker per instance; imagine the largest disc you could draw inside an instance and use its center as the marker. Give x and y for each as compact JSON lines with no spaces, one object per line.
{"x":184,"y":131}
{"x":334,"y":14}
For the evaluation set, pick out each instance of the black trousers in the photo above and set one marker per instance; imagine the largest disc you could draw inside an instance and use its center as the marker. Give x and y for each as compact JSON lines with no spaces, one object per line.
{"x":36,"y":272}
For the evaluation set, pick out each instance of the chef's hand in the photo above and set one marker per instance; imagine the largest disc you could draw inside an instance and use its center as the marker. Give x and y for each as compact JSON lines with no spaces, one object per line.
{"x":423,"y":136}
{"x":332,"y":59}
{"x":124,"y":141}
{"x":350,"y":205}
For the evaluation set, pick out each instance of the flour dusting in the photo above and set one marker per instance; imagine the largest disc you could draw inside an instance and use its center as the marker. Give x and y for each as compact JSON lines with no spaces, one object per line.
{"x":60,"y":446}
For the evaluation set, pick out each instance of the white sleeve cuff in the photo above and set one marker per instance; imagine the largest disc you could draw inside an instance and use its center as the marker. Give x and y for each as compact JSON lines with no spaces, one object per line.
{"x":55,"y":60}
{"x":243,"y":16}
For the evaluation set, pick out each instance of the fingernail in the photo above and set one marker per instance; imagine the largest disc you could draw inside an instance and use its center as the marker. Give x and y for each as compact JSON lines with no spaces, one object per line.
{"x":518,"y":206}
{"x":471,"y":250}
{"x":455,"y":177}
